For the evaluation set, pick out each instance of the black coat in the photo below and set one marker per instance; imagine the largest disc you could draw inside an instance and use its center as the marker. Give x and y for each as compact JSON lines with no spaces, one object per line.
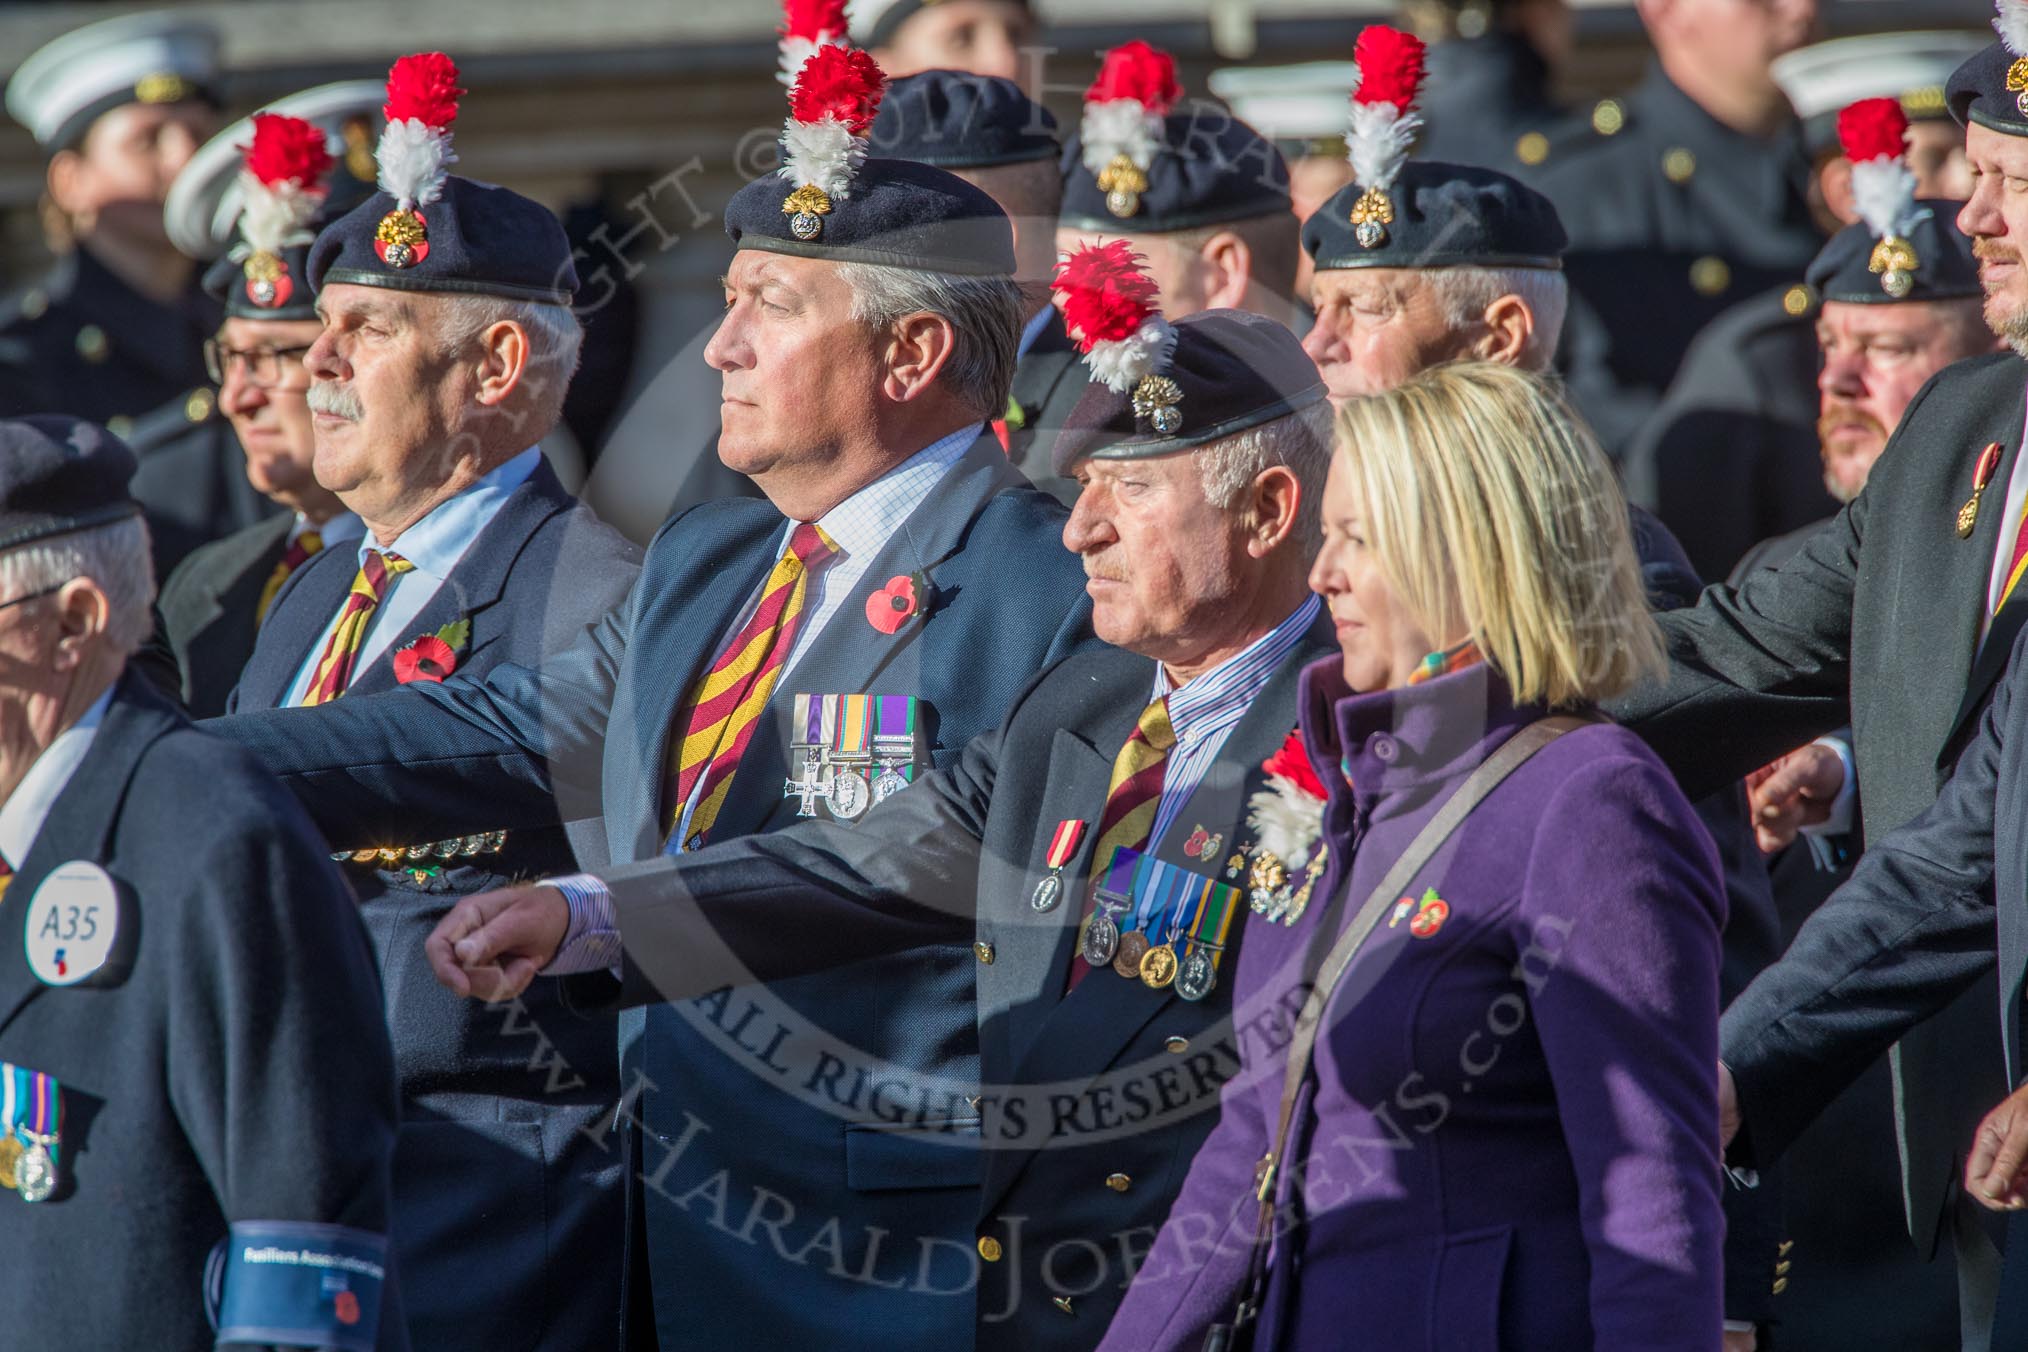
{"x":240,"y":1070}
{"x":205,"y":617}
{"x":1873,"y":622}
{"x":508,"y":1220}
{"x":1048,"y":381}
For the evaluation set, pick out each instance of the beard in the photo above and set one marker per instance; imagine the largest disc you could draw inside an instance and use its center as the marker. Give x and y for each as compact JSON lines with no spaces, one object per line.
{"x":2007,"y":318}
{"x":1840,"y":419}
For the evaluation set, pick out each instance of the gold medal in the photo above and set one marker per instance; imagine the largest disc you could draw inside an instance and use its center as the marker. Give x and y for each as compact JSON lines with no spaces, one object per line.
{"x":1133,"y":947}
{"x":10,"y":1155}
{"x":1982,"y":474}
{"x":1158,"y":968}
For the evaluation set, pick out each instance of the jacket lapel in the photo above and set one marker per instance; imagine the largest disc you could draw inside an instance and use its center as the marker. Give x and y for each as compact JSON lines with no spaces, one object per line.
{"x":1969,"y":563}
{"x":850,"y":656}
{"x":235,"y":577}
{"x":80,"y":822}
{"x":301,"y":613}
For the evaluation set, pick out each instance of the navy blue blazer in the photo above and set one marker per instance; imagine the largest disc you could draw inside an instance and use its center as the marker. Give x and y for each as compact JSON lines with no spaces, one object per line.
{"x":507,"y":1218}
{"x":238,"y":1070}
{"x":791,"y":1191}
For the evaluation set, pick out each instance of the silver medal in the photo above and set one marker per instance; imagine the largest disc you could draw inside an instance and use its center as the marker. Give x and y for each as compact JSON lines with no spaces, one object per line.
{"x":888,"y":784}
{"x":1047,"y":892}
{"x":1197,"y":975}
{"x":35,"y":1173}
{"x":850,"y":795}
{"x":1101,"y":939}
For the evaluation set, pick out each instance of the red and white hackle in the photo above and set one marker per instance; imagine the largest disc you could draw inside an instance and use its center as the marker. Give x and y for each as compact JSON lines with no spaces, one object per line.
{"x":1874,"y":135}
{"x":282,"y":186}
{"x":831,"y":107}
{"x":806,"y":26}
{"x":1109,"y":311}
{"x":1121,"y":132}
{"x":415,"y":153}
{"x":1384,"y":124}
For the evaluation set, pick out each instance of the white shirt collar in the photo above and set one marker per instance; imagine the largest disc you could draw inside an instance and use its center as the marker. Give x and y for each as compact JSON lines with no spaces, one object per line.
{"x":436,"y":543}
{"x":22,"y":815}
{"x":862,"y":523}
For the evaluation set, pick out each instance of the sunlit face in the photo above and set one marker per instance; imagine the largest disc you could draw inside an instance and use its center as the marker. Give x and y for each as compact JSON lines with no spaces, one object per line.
{"x":272,"y":421}
{"x":1996,"y":218}
{"x":1381,"y":643}
{"x":1163,"y":566}
{"x":119,"y":176}
{"x":386,"y":399}
{"x":1375,"y":328}
{"x":1875,"y":359}
{"x":796,"y":371}
{"x":985,"y":37}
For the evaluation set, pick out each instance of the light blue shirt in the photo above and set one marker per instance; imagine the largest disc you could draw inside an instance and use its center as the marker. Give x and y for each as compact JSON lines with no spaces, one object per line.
{"x":434,"y":545}
{"x":25,"y":810}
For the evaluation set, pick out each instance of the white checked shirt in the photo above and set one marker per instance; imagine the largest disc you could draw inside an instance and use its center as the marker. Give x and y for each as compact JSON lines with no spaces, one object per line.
{"x":860,"y":526}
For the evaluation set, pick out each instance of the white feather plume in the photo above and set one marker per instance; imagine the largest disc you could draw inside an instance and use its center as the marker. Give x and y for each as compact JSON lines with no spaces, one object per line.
{"x":1119,"y":127}
{"x":414,"y":157}
{"x":274,"y":217}
{"x":1120,"y":364}
{"x":1286,"y":822}
{"x":796,"y":51}
{"x":2012,"y":25}
{"x":1378,"y":141}
{"x":824,"y":154}
{"x":1883,"y":192}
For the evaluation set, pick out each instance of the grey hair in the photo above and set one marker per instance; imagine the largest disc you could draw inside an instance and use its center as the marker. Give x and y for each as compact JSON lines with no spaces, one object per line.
{"x":984,"y":312}
{"x":115,"y":557}
{"x":1300,"y":440}
{"x":554,"y":339}
{"x":1466,"y":292}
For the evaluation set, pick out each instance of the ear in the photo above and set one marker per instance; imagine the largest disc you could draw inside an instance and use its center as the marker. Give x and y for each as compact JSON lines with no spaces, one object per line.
{"x":82,"y":613}
{"x":502,"y":358}
{"x":1225,"y":262}
{"x":65,"y":178}
{"x":1509,"y":324}
{"x":1834,"y":180}
{"x":919,"y":346}
{"x":1272,"y":504}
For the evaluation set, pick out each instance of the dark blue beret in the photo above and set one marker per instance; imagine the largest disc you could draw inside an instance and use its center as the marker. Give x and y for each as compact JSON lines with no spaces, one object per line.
{"x":1445,"y":215}
{"x":481,"y":240}
{"x":226,"y":279}
{"x":900,"y":214}
{"x":1212,"y":168}
{"x":58,"y":475}
{"x":1231,"y":370}
{"x":1977,"y":92}
{"x":957,"y":120}
{"x":1945,"y":268}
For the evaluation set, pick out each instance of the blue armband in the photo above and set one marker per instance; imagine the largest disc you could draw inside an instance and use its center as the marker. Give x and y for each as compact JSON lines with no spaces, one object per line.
{"x":298,"y":1283}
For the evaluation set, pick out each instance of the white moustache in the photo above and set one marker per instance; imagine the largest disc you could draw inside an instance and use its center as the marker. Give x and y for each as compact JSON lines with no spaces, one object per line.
{"x":337,"y":400}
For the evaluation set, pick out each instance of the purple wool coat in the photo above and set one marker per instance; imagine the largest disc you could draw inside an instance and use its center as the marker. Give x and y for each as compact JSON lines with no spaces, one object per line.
{"x":1510,"y":1140}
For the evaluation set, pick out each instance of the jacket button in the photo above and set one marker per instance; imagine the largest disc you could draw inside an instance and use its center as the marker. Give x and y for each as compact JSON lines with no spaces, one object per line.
{"x":984,"y":951}
{"x":1384,"y":748}
{"x":989,"y":1248}
{"x":1062,"y":1303}
{"x":1176,"y":1046}
{"x":1119,"y":1182}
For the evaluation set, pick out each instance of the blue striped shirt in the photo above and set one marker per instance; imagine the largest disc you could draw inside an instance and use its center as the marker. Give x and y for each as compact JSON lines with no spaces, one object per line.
{"x":1205,"y":711}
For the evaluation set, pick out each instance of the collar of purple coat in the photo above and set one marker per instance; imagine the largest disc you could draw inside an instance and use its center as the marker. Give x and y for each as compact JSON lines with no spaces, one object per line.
{"x":1388,"y":740}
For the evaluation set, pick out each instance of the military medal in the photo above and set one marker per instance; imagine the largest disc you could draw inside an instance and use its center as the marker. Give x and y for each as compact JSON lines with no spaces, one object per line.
{"x":1112,"y":894}
{"x":894,"y":744}
{"x":856,"y":750}
{"x":850,"y":794}
{"x":10,"y":1155}
{"x":814,"y":784}
{"x":10,"y":1144}
{"x":1132,"y":948}
{"x":1158,"y":968}
{"x":1198,"y":972}
{"x":1062,"y":846}
{"x":1982,"y":474}
{"x":37,"y":1108}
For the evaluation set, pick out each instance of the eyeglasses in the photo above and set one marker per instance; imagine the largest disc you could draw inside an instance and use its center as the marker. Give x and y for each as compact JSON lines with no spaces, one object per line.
{"x":36,"y":595}
{"x":264,"y":366}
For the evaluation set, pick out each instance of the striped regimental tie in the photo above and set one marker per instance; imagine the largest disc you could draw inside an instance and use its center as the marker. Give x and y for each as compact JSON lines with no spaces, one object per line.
{"x":334,"y":668}
{"x":724,"y":708}
{"x":1131,"y":799}
{"x":299,"y":552}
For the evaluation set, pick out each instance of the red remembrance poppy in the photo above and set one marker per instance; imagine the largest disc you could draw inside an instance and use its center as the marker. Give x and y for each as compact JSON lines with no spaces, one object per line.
{"x":889,"y":608}
{"x":429,"y":658}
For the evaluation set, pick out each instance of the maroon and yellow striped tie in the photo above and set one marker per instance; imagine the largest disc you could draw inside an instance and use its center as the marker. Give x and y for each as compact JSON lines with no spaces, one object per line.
{"x":1131,"y":799}
{"x":299,"y":552}
{"x":334,"y":668}
{"x":724,"y":708}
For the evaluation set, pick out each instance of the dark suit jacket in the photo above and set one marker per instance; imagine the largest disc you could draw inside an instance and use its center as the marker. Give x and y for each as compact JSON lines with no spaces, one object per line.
{"x":1048,"y":382}
{"x":1875,"y":622}
{"x":205,"y":615}
{"x":507,"y":1217}
{"x":237,"y":1072}
{"x":745,"y":1164}
{"x":1093,"y":1103}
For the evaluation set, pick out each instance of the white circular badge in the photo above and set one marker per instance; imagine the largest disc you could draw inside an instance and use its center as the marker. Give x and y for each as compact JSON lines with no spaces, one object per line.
{"x":73,"y":919}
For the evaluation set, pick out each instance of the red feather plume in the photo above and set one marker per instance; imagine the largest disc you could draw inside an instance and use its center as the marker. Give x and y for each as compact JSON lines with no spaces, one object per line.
{"x":839,"y":82}
{"x":812,"y":19}
{"x":286,"y":149}
{"x":1134,"y":70}
{"x":1872,"y":128}
{"x":424,"y":87}
{"x":1107,"y":295}
{"x":1390,"y":66}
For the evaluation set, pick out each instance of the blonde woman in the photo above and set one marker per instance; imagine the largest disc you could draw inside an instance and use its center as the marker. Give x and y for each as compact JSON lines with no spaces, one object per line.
{"x":1506,"y":1138}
